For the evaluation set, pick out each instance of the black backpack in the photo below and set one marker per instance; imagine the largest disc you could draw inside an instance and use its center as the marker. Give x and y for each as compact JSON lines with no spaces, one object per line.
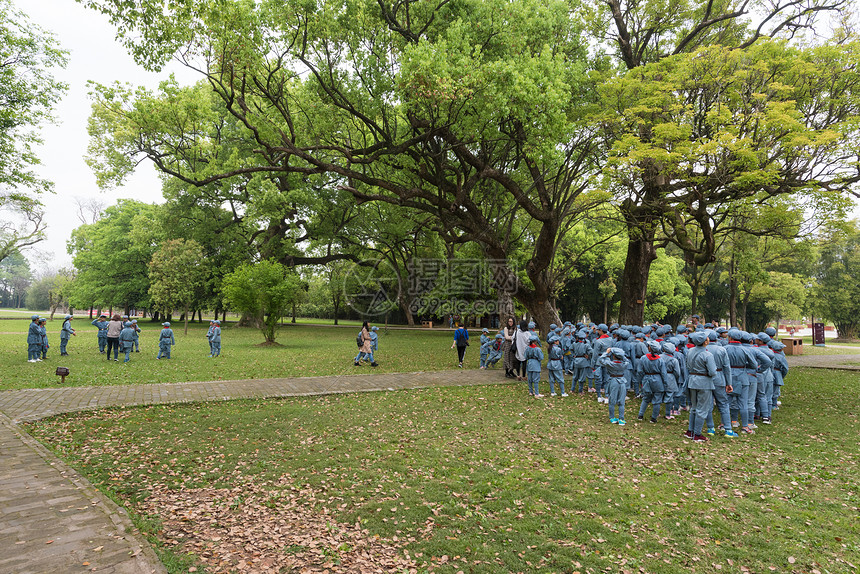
{"x":359,"y":340}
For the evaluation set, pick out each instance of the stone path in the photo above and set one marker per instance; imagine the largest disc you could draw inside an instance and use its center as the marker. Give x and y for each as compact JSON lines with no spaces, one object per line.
{"x":54,"y":521}
{"x":848,"y":362}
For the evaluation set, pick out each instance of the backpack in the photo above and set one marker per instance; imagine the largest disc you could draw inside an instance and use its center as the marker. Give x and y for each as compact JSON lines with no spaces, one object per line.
{"x":497,"y":346}
{"x":359,"y":340}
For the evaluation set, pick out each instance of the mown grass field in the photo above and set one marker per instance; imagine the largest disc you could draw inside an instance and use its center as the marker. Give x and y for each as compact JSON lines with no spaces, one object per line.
{"x":482,"y":479}
{"x":302,"y":351}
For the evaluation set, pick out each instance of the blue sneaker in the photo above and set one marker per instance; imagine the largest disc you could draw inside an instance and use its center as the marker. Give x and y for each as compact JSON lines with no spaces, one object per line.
{"x":711,"y":432}
{"x":621,"y":422}
{"x":613,"y":421}
{"x":732,"y":434}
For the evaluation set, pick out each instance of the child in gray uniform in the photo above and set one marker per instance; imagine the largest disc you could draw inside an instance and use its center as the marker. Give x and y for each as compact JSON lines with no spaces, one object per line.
{"x":614,"y":364}
{"x":701,"y":373}
{"x":165,"y":341}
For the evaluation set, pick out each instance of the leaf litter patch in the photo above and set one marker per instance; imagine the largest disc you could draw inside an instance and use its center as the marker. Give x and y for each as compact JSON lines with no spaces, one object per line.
{"x":268,"y":528}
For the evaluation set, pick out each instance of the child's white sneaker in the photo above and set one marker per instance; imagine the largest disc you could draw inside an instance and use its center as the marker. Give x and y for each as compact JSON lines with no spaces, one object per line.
{"x":552,"y":394}
{"x":564,"y":395}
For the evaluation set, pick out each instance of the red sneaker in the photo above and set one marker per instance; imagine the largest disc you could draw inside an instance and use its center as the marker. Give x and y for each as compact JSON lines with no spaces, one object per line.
{"x":700,"y":438}
{"x":688,"y":434}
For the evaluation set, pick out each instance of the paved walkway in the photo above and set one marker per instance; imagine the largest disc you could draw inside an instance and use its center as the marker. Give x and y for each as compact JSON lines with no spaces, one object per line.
{"x":54,"y":521}
{"x":848,"y":362}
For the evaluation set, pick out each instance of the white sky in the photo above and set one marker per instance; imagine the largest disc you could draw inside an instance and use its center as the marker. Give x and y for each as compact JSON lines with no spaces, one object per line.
{"x":95,"y":55}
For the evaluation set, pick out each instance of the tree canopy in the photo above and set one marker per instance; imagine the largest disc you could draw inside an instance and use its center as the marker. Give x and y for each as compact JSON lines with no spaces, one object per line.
{"x":501,"y":126}
{"x":28,"y":92}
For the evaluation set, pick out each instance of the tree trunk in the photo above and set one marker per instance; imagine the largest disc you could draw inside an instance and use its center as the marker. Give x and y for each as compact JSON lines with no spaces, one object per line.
{"x":336,"y":304}
{"x":634,"y":280}
{"x":506,"y":306}
{"x":186,"y":320}
{"x":606,"y":309}
{"x":294,"y":313}
{"x":250,"y":321}
{"x":694,"y":285}
{"x":744,"y":309}
{"x":404,"y":300}
{"x":846,"y":331}
{"x":733,"y":295}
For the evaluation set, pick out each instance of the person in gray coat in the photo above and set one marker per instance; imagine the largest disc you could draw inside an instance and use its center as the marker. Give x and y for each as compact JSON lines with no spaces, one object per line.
{"x":65,"y":334}
{"x":34,"y":341}
{"x":598,"y":348}
{"x":701,"y":374}
{"x":722,"y":388}
{"x":215,"y":339}
{"x":126,"y":340}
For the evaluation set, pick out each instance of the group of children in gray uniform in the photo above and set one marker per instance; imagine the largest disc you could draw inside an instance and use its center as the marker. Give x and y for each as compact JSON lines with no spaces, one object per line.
{"x":689,"y":369}
{"x":37,"y":338}
{"x":127,"y":339}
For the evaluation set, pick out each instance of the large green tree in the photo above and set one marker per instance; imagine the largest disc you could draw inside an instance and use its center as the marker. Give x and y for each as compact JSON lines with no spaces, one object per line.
{"x":264,"y":290}
{"x":15,"y":276}
{"x":28,"y":92}
{"x":177,"y":276}
{"x":474,"y":113}
{"x":485,"y":116}
{"x":693,"y":135}
{"x":111,"y":256}
{"x":836,"y":293}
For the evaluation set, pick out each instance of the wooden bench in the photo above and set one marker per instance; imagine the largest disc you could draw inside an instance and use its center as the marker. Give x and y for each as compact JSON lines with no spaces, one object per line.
{"x":428,"y":324}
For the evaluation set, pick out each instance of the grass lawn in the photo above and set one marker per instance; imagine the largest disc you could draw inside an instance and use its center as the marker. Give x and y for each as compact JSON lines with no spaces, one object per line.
{"x":303,"y":351}
{"x":479,"y":479}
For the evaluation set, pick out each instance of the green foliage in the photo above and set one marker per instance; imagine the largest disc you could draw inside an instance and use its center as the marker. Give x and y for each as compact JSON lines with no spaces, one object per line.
{"x":113,"y":254}
{"x":177,"y":273}
{"x":15,"y":283}
{"x":668,"y":293}
{"x":836,"y":294}
{"x":720,"y":125}
{"x":263,"y":290}
{"x":28,"y":92}
{"x":784,"y":295}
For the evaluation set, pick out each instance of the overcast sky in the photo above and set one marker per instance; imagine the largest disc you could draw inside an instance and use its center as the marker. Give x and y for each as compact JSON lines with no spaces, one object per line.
{"x":95,"y":55}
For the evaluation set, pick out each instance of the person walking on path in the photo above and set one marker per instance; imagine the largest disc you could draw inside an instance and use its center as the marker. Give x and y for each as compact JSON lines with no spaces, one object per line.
{"x":461,"y":341}
{"x":114,"y":328}
{"x":365,"y":344}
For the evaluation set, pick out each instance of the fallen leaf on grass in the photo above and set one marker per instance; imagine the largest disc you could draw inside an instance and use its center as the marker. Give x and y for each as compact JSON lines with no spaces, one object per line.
{"x":268,"y":529}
